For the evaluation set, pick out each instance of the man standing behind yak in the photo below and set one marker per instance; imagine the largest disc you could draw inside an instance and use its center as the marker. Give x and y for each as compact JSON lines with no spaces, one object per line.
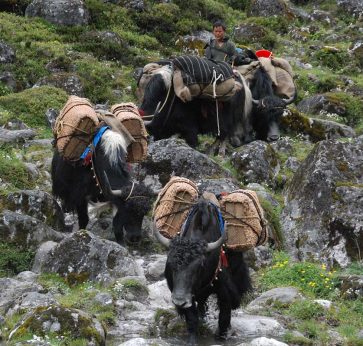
{"x":220,"y":48}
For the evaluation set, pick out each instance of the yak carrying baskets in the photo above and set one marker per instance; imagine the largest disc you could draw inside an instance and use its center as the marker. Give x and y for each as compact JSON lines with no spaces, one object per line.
{"x":75,"y":127}
{"x":129,"y":116}
{"x":246,"y":226}
{"x":173,"y":204}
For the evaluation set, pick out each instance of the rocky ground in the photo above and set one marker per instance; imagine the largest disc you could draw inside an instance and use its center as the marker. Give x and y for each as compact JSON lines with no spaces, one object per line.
{"x":63,"y":286}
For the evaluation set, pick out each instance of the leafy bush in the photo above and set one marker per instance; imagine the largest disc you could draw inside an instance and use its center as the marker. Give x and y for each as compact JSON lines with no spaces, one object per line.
{"x":311,"y":278}
{"x":331,"y":58}
{"x":14,"y":260}
{"x":30,"y":105}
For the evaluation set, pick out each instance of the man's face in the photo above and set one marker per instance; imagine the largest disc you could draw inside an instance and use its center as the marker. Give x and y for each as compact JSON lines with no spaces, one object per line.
{"x":218,"y":32}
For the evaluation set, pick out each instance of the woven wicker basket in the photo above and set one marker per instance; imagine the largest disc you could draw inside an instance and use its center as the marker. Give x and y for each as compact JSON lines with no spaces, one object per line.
{"x":75,"y":127}
{"x":129,"y":116}
{"x":173,"y":204}
{"x":246,"y":226}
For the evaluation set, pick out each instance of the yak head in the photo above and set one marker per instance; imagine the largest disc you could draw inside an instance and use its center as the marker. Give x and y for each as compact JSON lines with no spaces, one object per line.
{"x":268,"y":111}
{"x":193,"y":256}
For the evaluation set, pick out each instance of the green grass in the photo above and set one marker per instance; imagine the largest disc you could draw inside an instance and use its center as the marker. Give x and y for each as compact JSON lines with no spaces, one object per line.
{"x":30,"y":105}
{"x":312,"y":279}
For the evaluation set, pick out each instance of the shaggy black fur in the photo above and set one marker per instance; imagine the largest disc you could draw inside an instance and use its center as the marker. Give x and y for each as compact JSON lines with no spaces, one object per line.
{"x":190,"y":271}
{"x":185,"y":251}
{"x":191,"y":118}
{"x":74,"y":184}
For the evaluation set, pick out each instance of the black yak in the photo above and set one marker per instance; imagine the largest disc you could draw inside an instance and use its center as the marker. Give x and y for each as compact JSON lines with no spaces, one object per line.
{"x":198,"y":266}
{"x":224,"y":119}
{"x":103,"y":178}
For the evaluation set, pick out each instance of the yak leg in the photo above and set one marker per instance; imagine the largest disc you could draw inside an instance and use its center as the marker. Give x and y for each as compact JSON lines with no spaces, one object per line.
{"x":213,"y":148}
{"x":191,"y":319}
{"x":224,"y":320}
{"x":82,"y":215}
{"x":118,"y":226}
{"x":222,"y":148}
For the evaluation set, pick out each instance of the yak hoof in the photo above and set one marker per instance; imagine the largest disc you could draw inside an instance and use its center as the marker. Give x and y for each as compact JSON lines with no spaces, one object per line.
{"x":223,"y":335}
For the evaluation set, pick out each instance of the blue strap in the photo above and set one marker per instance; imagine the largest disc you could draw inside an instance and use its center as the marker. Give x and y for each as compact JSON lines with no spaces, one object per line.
{"x":192,"y":212}
{"x":96,"y":138}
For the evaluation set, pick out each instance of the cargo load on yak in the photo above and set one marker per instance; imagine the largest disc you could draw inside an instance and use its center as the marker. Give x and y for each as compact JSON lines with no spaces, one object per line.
{"x":278,"y":69}
{"x":74,"y":127}
{"x":173,"y":204}
{"x":195,"y":77}
{"x":243,"y":214}
{"x":129,"y":116}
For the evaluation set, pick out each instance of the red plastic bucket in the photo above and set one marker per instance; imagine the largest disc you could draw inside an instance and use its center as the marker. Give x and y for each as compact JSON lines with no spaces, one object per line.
{"x":263,"y":53}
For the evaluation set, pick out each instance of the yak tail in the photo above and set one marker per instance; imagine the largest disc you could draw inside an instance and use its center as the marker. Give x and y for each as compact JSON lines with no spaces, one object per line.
{"x":247,"y":109}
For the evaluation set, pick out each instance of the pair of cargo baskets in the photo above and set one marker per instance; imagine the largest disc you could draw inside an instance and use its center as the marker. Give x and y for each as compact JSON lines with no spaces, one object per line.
{"x":241,"y":210}
{"x":78,"y":122}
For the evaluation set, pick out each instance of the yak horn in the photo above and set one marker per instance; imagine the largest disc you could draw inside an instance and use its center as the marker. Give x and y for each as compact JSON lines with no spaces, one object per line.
{"x":148,"y":116}
{"x":256,"y":102}
{"x":219,"y":242}
{"x":289,"y":100}
{"x":163,"y":240}
{"x":147,"y":122}
{"x":107,"y":187}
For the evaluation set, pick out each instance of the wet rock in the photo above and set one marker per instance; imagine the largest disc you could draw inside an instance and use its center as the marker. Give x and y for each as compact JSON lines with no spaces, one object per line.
{"x":38,"y":204}
{"x":172,"y":156}
{"x":266,"y":342}
{"x":328,"y":188}
{"x":60,"y":321}
{"x":144,"y":342}
{"x":159,"y":295}
{"x":256,"y":162}
{"x":69,"y":82}
{"x":61,"y":12}
{"x":88,"y":257}
{"x":284,"y":295}
{"x":25,"y":231}
{"x":251,"y":326}
{"x":16,"y":136}
{"x":268,"y":8}
{"x":7,"y":53}
{"x":155,"y":269}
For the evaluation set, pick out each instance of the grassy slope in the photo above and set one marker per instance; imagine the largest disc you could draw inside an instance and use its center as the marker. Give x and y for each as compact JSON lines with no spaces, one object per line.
{"x":148,"y":36}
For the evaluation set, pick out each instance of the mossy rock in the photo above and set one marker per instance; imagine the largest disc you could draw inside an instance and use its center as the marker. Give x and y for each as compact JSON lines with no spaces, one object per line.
{"x":30,"y":105}
{"x":60,"y":321}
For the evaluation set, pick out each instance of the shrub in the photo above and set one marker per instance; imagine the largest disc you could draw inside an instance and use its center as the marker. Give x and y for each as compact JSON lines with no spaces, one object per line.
{"x":14,"y":260}
{"x":13,"y":171}
{"x":306,"y":309}
{"x":30,"y":105}
{"x":331,"y":58}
